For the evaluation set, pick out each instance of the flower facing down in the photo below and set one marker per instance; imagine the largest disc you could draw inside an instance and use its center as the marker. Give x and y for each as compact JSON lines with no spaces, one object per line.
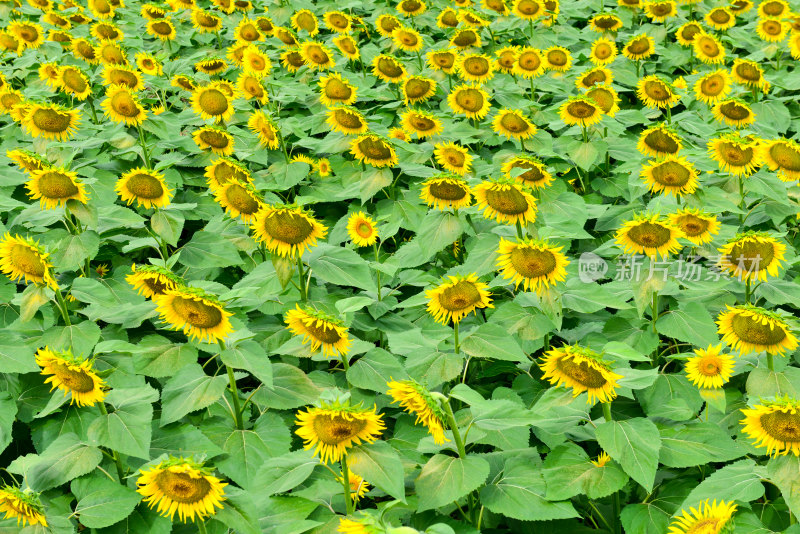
{"x":332,"y":428}
{"x":581,"y":369}
{"x":199,"y":314}
{"x":22,"y":505}
{"x":774,"y":425}
{"x":73,"y":375}
{"x":416,"y":400}
{"x":183,"y":486}
{"x":319,"y":329}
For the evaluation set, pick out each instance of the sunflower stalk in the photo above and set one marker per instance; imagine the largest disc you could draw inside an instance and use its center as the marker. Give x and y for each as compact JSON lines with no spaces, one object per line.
{"x":237,"y":410}
{"x":455,"y":339}
{"x":90,"y":101}
{"x":114,"y":454}
{"x":377,"y":271}
{"x":747,"y":291}
{"x":770,"y":362}
{"x":62,"y":307}
{"x":201,"y":525}
{"x":348,"y":499}
{"x":617,"y":506}
{"x":303,"y":287}
{"x":145,"y":155}
{"x":654,"y":312}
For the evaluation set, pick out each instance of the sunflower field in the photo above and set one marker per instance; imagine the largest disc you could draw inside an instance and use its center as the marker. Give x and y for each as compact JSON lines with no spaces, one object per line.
{"x":399,"y":266}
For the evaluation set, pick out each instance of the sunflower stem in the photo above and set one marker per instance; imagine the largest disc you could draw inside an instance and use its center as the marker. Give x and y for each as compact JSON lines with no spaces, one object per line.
{"x":419,"y":57}
{"x":669,"y":114}
{"x":91,"y":108}
{"x":237,"y":410}
{"x":377,"y":271}
{"x":62,"y":307}
{"x":455,"y":338}
{"x":145,"y":155}
{"x":770,"y":362}
{"x":451,"y":422}
{"x":303,"y":288}
{"x":348,"y":500}
{"x":114,"y":454}
{"x":654,"y":311}
{"x":747,"y":291}
{"x":741,"y":196}
{"x":283,"y":147}
{"x":520,"y":233}
{"x":607,"y":411}
{"x":345,"y":363}
{"x":219,"y":40}
{"x":201,"y":525}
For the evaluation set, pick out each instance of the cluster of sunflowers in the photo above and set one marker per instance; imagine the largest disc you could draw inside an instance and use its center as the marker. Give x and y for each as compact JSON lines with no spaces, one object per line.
{"x":464,"y":111}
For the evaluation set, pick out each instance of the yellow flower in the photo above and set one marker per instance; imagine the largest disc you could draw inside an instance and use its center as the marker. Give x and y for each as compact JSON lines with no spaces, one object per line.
{"x":183,"y":486}
{"x":361,"y":229}
{"x":106,"y":30}
{"x":751,"y":329}
{"x":358,"y":486}
{"x":687,"y":32}
{"x":346,"y":120}
{"x":122,"y":106}
{"x":347,"y":46}
{"x":285,"y":36}
{"x":316,"y":55}
{"x":417,"y":89}
{"x":9,"y":42}
{"x":782,"y":155}
{"x":472,"y":18}
{"x":11,"y":99}
{"x":225,"y":170}
{"x":30,"y":34}
{"x":513,"y":124}
{"x":388,"y":68}
{"x":656,"y":93}
{"x":255,"y":62}
{"x":466,"y":38}
{"x":199,"y":314}
{"x":735,"y":154}
{"x":527,"y":170}
{"x":28,"y":161}
{"x":205,"y":21}
{"x":339,"y":22}
{"x":262,"y":125}
{"x":211,"y":66}
{"x":374,"y":150}
{"x":580,"y":110}
{"x":251,"y":88}
{"x":110,"y":53}
{"x":320,"y":330}
{"x":506,"y":58}
{"x":385,"y":24}
{"x":650,"y":235}
{"x":752,"y":255}
{"x":773,"y":9}
{"x":741,"y":6}
{"x":710,"y":369}
{"x":124,"y":76}
{"x":287,"y":230}
{"x":774,"y":425}
{"x":152,"y":280}
{"x":505,"y":201}
{"x":446,"y":191}
{"x":74,"y":82}
{"x":215,"y":139}
{"x":734,"y":112}
{"x":331,"y":429}
{"x":660,"y":10}
{"x":447,"y":18}
{"x":713,"y":87}
{"x":475,"y":68}
{"x":406,"y":38}
{"x":529,"y":63}
{"x":147,"y":188}
{"x":794,"y":44}
{"x":659,"y":141}
{"x":708,"y":49}
{"x":323,"y":167}
{"x":24,"y":259}
{"x":749,"y":73}
{"x":603,"y":51}
{"x":706,"y":518}
{"x":50,"y":121}
{"x":457,"y":297}
{"x":417,"y":400}
{"x":772,"y":30}
{"x":336,"y":90}
{"x":698,"y":226}
{"x":536,"y":264}
{"x":606,"y":97}
{"x":211,"y":103}
{"x":638,"y":47}
{"x":304,"y":19}
{"x":602,"y":459}
{"x":469,"y":100}
{"x":672,"y":175}
{"x":498,"y":6}
{"x":183,"y":82}
{"x":581,"y":369}
{"x":22,"y":505}
{"x":720,"y":18}
{"x":453,"y":157}
{"x":239,"y":200}
{"x":528,"y":9}
{"x":605,"y":22}
{"x":421,"y":123}
{"x":73,"y":375}
{"x":443,"y":60}
{"x":411,"y":8}
{"x":557,"y":58}
{"x":54,"y":186}
{"x":162,"y":29}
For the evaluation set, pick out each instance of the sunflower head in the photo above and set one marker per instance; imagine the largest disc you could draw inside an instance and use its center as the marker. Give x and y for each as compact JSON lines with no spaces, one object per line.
{"x":123,"y":106}
{"x":407,"y":39}
{"x":603,"y":51}
{"x":161,"y":29}
{"x":708,"y":49}
{"x":655,"y":92}
{"x":263,"y":126}
{"x":457,"y":297}
{"x":605,"y":22}
{"x":335,"y":90}
{"x":212,"y":103}
{"x":772,"y":30}
{"x":513,"y":124}
{"x":749,"y":328}
{"x":649,"y":234}
{"x":348,"y":46}
{"x":528,"y":170}
{"x":775,"y":425}
{"x":475,"y":68}
{"x":317,"y":55}
{"x":660,"y":10}
{"x":752,"y":256}
{"x":199,"y":314}
{"x":581,"y":110}
{"x":287,"y":230}
{"x":347,"y":120}
{"x":145,"y":187}
{"x":594,"y":76}
{"x":358,"y":486}
{"x":73,"y":375}
{"x":659,"y":141}
{"x":602,"y":459}
{"x":712,"y":87}
{"x":152,"y":280}
{"x":445,"y":191}
{"x":697,"y":226}
{"x":534,"y":263}
{"x":28,"y":161}
{"x":417,"y":400}
{"x":709,"y":369}
{"x":22,"y":505}
{"x":528,"y":9}
{"x":211,"y":66}
{"x":388,"y":68}
{"x":24,"y":259}
{"x":466,"y":38}
{"x":331,"y":428}
{"x":557,"y":59}
{"x":74,"y":82}
{"x":469,"y":100}
{"x":581,"y":369}
{"x":447,"y":18}
{"x":749,"y":73}
{"x":707,"y":517}
{"x":638,"y":47}
{"x":506,"y":57}
{"x":421,"y":123}
{"x":782,"y":155}
{"x":687,"y":32}
{"x":225,"y":170}
{"x":215,"y":139}
{"x":320,"y":330}
{"x":55,"y":186}
{"x":51,"y":121}
{"x":183,"y":82}
{"x":506,"y":201}
{"x":443,"y":60}
{"x":338,"y":21}
{"x":361,"y":229}
{"x":385,"y":24}
{"x":411,"y":8}
{"x":418,"y":89}
{"x":672,"y":175}
{"x":606,"y":97}
{"x":239,"y":200}
{"x":374,"y":150}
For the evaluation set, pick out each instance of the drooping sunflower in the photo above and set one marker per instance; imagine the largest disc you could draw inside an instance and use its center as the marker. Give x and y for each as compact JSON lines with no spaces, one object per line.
{"x":61,"y":37}
{"x":211,"y":66}
{"x":122,"y":75}
{"x":54,"y":186}
{"x":151,"y":11}
{"x":263,"y":126}
{"x":388,"y":68}
{"x":184,"y":486}
{"x":527,"y":170}
{"x":534,"y":263}
{"x":373,"y":149}
{"x":706,"y":518}
{"x":285,"y":35}
{"x":205,"y":21}
{"x":239,"y":200}
{"x":734,"y":112}
{"x":720,"y":18}
{"x":336,"y":90}
{"x":660,"y":10}
{"x":28,"y":161}
{"x":656,"y":93}
{"x":407,"y":39}
{"x":477,"y":68}
{"x":708,"y":49}
{"x":447,"y":18}
{"x":181,"y":81}
{"x":305,"y":20}
{"x":443,"y":60}
{"x":581,"y":110}
{"x":603,"y":51}
{"x":385,"y":24}
{"x":557,"y":59}
{"x":347,"y":120}
{"x":469,"y":100}
{"x":19,"y":110}
{"x":287,"y":230}
{"x":749,"y":73}
{"x":145,"y":187}
{"x":638,"y":47}
{"x":713,"y":87}
{"x":594,"y":76}
{"x":215,"y":139}
{"x":224,"y":170}
{"x":152,"y":280}
{"x":606,"y":97}
{"x":320,"y":330}
{"x":73,"y":375}
{"x":710,"y":369}
{"x":735,"y":154}
{"x":332,"y":428}
{"x":53,"y":18}
{"x":445,"y":191}
{"x":752,"y":256}
{"x":212,"y":104}
{"x":421,"y":123}
{"x":748,"y":329}
{"x":199,"y":314}
{"x":415,"y":399}
{"x":51,"y":121}
{"x":317,"y":55}
{"x":782,"y":155}
{"x":347,"y":46}
{"x":672,"y":175}
{"x":122,"y":106}
{"x":466,"y":38}
{"x":605,"y":22}
{"x":697,"y":226}
{"x":529,"y":63}
{"x":772,"y":30}
{"x":83,"y":49}
{"x":505,"y":201}
{"x":649,"y":234}
{"x":472,"y":18}
{"x":22,"y":505}
{"x":251,"y":88}
{"x":506,"y":57}
{"x":659,"y":141}
{"x":630,"y":4}
{"x":581,"y":369}
{"x":361,"y":229}
{"x":738,"y":7}
{"x":74,"y":82}
{"x":457,"y":297}
{"x":417,"y":89}
{"x":513,"y":124}
{"x":775,"y":425}
{"x":24,"y":259}
{"x":687,"y":32}
{"x":498,"y":6}
{"x":338,"y":21}
{"x":453,"y":157}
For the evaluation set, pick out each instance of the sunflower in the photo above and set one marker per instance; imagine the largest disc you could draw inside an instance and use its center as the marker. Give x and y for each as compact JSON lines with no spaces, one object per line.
{"x":211,"y":103}
{"x":417,"y":89}
{"x":672,"y":175}
{"x":581,"y":369}
{"x":287,"y":230}
{"x":660,"y":10}
{"x":251,"y":88}
{"x":181,"y":81}
{"x":102,"y":9}
{"x":332,"y":428}
{"x":211,"y":66}
{"x":215,"y":139}
{"x":580,"y":110}
{"x":603,"y":51}
{"x":48,"y":73}
{"x":751,"y":329}
{"x":50,"y":121}
{"x":447,"y":18}
{"x":388,"y":68}
{"x":606,"y":97}
{"x":320,"y":330}
{"x":734,"y":112}
{"x":707,"y":518}
{"x":772,"y":30}
{"x":557,"y":58}
{"x":364,"y":525}
{"x":358,"y":486}
{"x":453,"y":157}
{"x":506,"y":58}
{"x":773,"y":9}
{"x":505,"y":201}
{"x":638,"y":47}
{"x":73,"y":375}
{"x":794,"y":44}
{"x":28,"y":161}
{"x":361,"y":229}
{"x":411,"y":8}
{"x":416,"y":400}
{"x":150,"y":12}
{"x":752,"y":256}
{"x":749,"y":73}
{"x":656,"y":93}
{"x":347,"y":120}
{"x":323,"y":167}
{"x":302,"y":158}
{"x":110,"y":53}
{"x":708,"y":49}
{"x":24,"y":505}
{"x":602,"y":459}
{"x":347,"y":46}
{"x":265,"y":25}
{"x":61,"y":37}
{"x":445,"y":191}
{"x":457,"y":297}
{"x":18,"y":111}
{"x":316,"y":55}
{"x":605,"y":22}
{"x":339,"y":22}
{"x":205,"y":21}
{"x":710,"y":369}
{"x":30,"y":34}
{"x":472,"y":18}
{"x":24,"y":259}
{"x":687,"y":32}
{"x":513,"y":124}
{"x":443,"y":60}
{"x":594,"y":76}
{"x":83,"y":49}
{"x":735,"y":154}
{"x":536,"y":264}
{"x":498,"y":6}
{"x":406,"y":38}
{"x":466,"y":38}
{"x":53,"y":18}
{"x":285,"y":36}
{"x":373,"y":149}
{"x":304,"y":20}
{"x":149,"y":64}
{"x":738,"y":7}
{"x":336,"y":90}
{"x":147,"y":188}
{"x":225,"y":170}
{"x":184,"y":486}
{"x":713,"y":87}
{"x":532,"y":171}
{"x":469,"y":100}
{"x":774,"y":424}
{"x":475,"y":68}
{"x":782,"y":155}
{"x":198,"y":313}
{"x":162,"y":29}
{"x":106,"y":30}
{"x":54,"y":186}
{"x":9,"y":42}
{"x":266,"y":130}
{"x":421,"y":123}
{"x":529,"y":63}
{"x":74,"y":82}
{"x":649,"y":234}
{"x":152,"y":280}
{"x":630,"y":4}
{"x":385,"y":24}
{"x":124,"y":76}
{"x":659,"y":141}
{"x":698,"y":226}
{"x":122,"y":106}
{"x":720,"y":18}
{"x":255,"y":62}
{"x":235,"y":53}
{"x":528,"y":9}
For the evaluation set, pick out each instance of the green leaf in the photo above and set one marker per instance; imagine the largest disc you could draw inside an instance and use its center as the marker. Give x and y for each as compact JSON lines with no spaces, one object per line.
{"x":8,"y":412}
{"x":128,"y":428}
{"x":373,"y":180}
{"x":500,"y":414}
{"x":374,"y":369}
{"x":569,"y":472}
{"x":16,"y":357}
{"x":207,"y":249}
{"x":740,"y":481}
{"x":67,"y":457}
{"x":33,"y":297}
{"x":251,"y":357}
{"x":290,"y":388}
{"x":158,"y":357}
{"x":635,"y":444}
{"x":784,"y":472}
{"x":239,"y":512}
{"x":111,"y":301}
{"x":445,"y":479}
{"x":102,"y":502}
{"x":697,"y":444}
{"x":492,"y":341}
{"x":340,"y":266}
{"x":691,"y":323}
{"x":80,"y":338}
{"x":71,"y":252}
{"x":380,"y":465}
{"x":671,"y":396}
{"x":168,"y":224}
{"x":763,"y":382}
{"x":188,"y":391}
{"x":285,"y":472}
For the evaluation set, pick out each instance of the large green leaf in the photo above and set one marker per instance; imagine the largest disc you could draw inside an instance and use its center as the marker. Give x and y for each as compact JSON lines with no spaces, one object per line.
{"x":126,"y":429}
{"x":102,"y":502}
{"x":188,"y":391}
{"x":379,"y":464}
{"x":635,"y":444}
{"x":445,"y":479}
